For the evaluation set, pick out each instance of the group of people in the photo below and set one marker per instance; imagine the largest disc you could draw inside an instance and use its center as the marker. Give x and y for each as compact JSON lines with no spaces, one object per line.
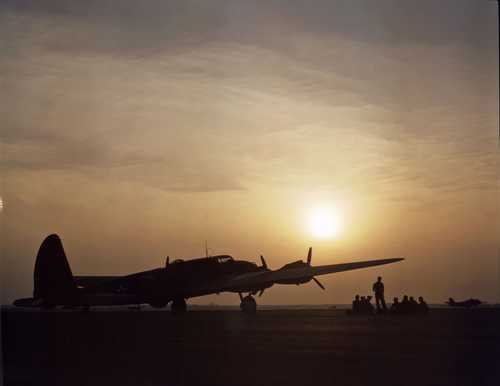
{"x":409,"y":306}
{"x":362,"y":305}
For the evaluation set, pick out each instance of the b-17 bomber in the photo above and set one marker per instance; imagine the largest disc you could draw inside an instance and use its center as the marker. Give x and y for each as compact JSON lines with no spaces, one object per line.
{"x":175,"y":282}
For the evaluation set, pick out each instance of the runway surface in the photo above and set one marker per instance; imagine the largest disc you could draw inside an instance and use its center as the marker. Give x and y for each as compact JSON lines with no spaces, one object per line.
{"x":280,"y":347}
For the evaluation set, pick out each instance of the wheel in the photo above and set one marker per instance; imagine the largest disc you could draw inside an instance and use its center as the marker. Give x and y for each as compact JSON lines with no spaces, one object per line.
{"x":178,"y":306}
{"x":248,"y":305}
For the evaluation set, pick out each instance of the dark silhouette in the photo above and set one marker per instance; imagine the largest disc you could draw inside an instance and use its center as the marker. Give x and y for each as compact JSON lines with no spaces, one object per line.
{"x":369,"y":305}
{"x":409,"y":306}
{"x":413,"y":305}
{"x":396,"y":306}
{"x":423,"y":308}
{"x":378,"y":289}
{"x":366,"y":308}
{"x":405,"y":305}
{"x":361,"y":306}
{"x":469,"y":303}
{"x":356,"y":305}
{"x":176,"y":281}
{"x":248,"y":304}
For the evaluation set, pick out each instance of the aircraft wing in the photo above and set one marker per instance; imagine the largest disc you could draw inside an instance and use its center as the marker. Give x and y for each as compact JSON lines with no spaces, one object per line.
{"x":301,"y":273}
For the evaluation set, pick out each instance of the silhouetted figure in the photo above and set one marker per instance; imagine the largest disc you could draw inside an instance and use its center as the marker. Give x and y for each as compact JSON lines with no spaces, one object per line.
{"x":369,"y":305}
{"x":413,"y":305}
{"x":378,"y":289}
{"x":405,"y":305}
{"x":356,"y":305}
{"x":423,"y":308}
{"x":362,"y":305}
{"x":396,"y":306}
{"x":365,"y":307}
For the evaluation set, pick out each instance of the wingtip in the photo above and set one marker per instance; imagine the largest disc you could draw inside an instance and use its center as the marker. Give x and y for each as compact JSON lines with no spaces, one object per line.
{"x":394,"y":260}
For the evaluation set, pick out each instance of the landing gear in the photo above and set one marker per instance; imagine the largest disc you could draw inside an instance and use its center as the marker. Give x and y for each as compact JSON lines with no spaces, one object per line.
{"x":158,"y":304}
{"x":178,"y":306}
{"x":248,"y":304}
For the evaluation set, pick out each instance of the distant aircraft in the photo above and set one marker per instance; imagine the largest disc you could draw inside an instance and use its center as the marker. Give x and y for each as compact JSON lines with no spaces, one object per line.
{"x":465,"y":303}
{"x":54,"y":283}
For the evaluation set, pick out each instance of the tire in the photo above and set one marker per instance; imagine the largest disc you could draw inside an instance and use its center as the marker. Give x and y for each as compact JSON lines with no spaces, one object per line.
{"x":178,"y":306}
{"x":248,"y":305}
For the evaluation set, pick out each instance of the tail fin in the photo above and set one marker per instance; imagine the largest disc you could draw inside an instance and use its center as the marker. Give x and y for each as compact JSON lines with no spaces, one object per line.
{"x":53,"y":279}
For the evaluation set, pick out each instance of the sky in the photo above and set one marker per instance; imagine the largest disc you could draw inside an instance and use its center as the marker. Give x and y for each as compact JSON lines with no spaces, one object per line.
{"x":140,"y":130}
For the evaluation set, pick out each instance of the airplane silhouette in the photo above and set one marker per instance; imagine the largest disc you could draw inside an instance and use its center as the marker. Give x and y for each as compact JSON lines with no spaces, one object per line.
{"x":465,"y":303}
{"x":54,"y":283}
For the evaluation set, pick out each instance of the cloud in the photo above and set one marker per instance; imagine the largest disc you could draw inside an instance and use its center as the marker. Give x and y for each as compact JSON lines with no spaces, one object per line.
{"x":191,"y":97}
{"x":130,"y":28}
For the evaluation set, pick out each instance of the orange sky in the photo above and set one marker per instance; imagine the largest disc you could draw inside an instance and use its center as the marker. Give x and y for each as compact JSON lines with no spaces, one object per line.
{"x":136,"y":132}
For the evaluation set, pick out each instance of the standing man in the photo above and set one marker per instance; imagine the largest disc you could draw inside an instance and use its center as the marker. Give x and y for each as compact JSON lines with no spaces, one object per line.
{"x":378,"y":289}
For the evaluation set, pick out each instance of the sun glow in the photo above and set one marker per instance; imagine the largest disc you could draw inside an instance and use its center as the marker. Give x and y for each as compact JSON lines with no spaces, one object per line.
{"x":324,"y":222}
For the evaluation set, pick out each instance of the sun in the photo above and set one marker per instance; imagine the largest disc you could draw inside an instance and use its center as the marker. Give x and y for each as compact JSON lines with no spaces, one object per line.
{"x":324,"y":222}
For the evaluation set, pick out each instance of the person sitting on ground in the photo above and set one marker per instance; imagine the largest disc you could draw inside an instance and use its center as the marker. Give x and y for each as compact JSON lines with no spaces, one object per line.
{"x":405,"y":305}
{"x":362,"y":305}
{"x":368,"y":306}
{"x":423,"y":308}
{"x":396,"y":306}
{"x":413,"y":308}
{"x":356,"y":305}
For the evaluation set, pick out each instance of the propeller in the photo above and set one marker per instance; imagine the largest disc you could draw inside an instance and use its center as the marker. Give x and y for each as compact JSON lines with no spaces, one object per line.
{"x":309,"y":258}
{"x":264,"y":264}
{"x":318,"y":283}
{"x":167,"y":261}
{"x":308,"y":262}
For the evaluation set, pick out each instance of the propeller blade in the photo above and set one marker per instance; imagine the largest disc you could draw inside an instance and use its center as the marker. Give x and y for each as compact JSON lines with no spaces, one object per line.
{"x":318,"y":283}
{"x":167,"y":261}
{"x":241,"y":296}
{"x":264,"y":265}
{"x":261,"y":292}
{"x":309,"y":256}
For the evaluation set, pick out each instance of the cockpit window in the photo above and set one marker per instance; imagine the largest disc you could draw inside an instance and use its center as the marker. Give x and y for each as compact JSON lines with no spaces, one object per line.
{"x":224,"y":259}
{"x":177,"y":261}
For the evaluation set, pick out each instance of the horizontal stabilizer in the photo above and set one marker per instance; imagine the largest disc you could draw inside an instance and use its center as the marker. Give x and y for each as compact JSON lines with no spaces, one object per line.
{"x":93,"y":281}
{"x":28,"y":302}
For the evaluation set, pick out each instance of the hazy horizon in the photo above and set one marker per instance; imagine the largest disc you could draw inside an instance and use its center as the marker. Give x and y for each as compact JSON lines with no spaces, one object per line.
{"x":137,"y":131}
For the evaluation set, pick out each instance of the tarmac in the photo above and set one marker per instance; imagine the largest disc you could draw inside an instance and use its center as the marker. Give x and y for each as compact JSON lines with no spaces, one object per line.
{"x":274,"y":347}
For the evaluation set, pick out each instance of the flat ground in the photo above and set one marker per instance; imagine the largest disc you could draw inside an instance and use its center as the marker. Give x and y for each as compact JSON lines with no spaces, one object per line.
{"x":285,"y":347}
